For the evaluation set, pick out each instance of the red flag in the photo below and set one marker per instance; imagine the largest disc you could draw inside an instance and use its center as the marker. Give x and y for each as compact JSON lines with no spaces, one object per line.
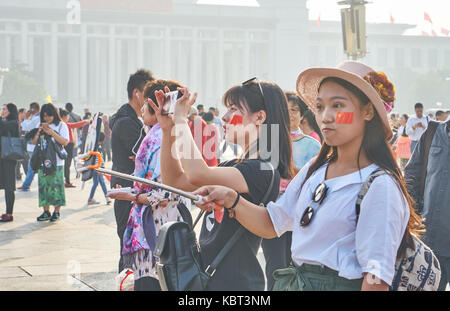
{"x":392,"y":19}
{"x":318,"y":21}
{"x":445,"y":31}
{"x":108,"y":177}
{"x":237,"y":119}
{"x":427,"y":17}
{"x":344,"y":117}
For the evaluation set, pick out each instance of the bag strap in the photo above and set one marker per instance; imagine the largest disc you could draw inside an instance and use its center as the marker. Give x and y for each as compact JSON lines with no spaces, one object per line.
{"x":365,"y":187}
{"x":429,"y":134}
{"x":215,"y":263}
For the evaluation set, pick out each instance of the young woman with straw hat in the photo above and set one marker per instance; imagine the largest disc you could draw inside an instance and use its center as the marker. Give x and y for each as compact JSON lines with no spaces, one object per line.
{"x":333,"y":249}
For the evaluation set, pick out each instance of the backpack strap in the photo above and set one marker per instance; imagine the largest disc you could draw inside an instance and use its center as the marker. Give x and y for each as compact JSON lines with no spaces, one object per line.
{"x":429,"y":135}
{"x":211,"y":269}
{"x":365,"y":187}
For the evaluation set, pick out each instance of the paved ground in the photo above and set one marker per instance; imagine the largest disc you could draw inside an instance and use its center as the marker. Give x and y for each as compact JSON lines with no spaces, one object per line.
{"x":77,"y":253}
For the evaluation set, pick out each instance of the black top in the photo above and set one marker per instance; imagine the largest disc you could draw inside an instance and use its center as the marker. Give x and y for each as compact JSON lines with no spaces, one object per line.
{"x":125,"y":133}
{"x":8,"y":167}
{"x":240,"y":269}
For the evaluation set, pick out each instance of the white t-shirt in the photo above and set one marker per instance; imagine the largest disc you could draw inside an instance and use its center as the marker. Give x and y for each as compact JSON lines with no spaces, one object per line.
{"x":415,"y":134}
{"x":63,"y":130}
{"x":332,"y":238}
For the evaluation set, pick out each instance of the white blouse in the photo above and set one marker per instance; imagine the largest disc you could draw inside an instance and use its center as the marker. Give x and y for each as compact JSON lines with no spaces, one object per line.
{"x":332,"y":237}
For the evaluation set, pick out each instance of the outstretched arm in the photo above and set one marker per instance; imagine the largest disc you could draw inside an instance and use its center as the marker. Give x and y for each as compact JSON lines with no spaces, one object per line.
{"x":186,"y":169}
{"x":254,"y":218}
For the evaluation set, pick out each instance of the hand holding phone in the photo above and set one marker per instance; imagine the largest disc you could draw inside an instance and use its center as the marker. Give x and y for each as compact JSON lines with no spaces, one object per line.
{"x":170,"y":102}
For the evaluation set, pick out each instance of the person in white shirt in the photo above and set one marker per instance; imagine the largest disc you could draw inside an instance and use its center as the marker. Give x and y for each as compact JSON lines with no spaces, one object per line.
{"x":31,"y":122}
{"x":416,"y":125}
{"x":331,"y":248}
{"x":51,"y":185}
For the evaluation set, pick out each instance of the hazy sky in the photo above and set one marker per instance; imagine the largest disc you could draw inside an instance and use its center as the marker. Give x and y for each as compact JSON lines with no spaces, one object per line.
{"x":403,"y":11}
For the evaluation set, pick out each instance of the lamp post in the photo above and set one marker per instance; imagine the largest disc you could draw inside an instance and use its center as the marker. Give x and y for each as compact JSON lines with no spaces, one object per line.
{"x":2,"y":78}
{"x":353,"y":21}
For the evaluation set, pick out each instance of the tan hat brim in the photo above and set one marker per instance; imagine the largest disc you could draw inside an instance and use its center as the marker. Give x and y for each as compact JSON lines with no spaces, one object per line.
{"x":308,"y":87}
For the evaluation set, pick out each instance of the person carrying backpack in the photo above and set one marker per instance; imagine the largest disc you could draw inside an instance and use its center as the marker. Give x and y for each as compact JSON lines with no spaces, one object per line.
{"x":252,"y":108}
{"x":51,"y":133}
{"x":335,"y":244}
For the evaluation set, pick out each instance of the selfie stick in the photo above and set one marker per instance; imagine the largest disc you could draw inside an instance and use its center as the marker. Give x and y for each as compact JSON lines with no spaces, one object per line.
{"x":196,"y":198}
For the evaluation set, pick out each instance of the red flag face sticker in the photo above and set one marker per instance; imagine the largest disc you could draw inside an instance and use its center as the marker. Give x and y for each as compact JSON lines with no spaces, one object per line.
{"x":344,"y":117}
{"x":236,"y":120}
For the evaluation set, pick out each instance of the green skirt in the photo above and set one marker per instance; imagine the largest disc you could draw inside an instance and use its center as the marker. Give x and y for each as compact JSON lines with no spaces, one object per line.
{"x":312,"y":278}
{"x":51,"y":188}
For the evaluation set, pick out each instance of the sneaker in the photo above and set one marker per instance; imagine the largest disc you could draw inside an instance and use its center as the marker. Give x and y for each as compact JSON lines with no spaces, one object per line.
{"x":45,"y":216}
{"x":55,"y":216}
{"x":92,"y":202}
{"x":108,"y":200}
{"x":24,"y":189}
{"x":69,"y":185}
{"x":6,"y":218}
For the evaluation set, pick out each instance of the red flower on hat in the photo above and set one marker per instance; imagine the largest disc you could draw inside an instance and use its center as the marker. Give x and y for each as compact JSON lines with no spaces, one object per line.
{"x":383,"y":86}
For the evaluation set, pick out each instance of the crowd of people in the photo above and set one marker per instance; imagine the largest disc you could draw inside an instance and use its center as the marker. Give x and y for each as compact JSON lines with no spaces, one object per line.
{"x":295,"y":199}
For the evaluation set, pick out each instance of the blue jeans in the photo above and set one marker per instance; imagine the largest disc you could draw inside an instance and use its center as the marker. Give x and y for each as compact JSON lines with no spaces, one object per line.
{"x":98,"y":178}
{"x":30,"y":174}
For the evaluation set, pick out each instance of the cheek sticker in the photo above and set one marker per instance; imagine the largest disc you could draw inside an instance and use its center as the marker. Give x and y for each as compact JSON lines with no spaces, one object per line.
{"x":236,"y":120}
{"x":344,"y":117}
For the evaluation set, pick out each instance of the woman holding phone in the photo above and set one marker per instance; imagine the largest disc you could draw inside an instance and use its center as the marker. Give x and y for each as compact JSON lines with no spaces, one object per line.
{"x":51,"y":187}
{"x":151,"y":208}
{"x":254,"y":109}
{"x":333,"y":249}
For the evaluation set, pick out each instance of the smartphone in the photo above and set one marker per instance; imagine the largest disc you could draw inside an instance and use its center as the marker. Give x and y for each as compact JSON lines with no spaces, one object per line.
{"x":169,"y":103}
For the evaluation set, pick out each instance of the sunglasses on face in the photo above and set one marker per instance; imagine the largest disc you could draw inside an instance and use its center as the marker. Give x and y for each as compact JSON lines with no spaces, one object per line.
{"x":246,"y":83}
{"x":318,"y":196}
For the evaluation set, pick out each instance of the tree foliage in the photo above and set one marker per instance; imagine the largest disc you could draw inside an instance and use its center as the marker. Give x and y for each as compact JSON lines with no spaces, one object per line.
{"x":21,"y":88}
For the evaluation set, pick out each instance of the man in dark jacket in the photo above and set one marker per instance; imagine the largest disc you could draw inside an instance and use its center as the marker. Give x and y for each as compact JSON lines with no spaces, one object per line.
{"x":431,"y":158}
{"x":126,"y":136}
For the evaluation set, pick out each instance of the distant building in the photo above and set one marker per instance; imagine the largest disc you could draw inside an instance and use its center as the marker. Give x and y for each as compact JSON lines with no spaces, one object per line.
{"x":208,"y":48}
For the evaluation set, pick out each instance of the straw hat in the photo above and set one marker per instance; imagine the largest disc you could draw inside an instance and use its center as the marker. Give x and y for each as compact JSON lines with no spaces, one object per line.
{"x":353,"y":72}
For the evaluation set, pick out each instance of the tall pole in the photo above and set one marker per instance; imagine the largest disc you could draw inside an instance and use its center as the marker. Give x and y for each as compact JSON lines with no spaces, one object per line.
{"x":354,"y":28}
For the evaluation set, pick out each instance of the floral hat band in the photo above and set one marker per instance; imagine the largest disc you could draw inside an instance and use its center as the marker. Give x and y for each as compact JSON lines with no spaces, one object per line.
{"x":384,"y":88}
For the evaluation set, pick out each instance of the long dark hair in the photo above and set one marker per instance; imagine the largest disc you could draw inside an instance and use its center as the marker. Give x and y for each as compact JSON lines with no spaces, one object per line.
{"x":378,"y":151}
{"x":274,"y":103}
{"x":13,"y":112}
{"x":50,"y":110}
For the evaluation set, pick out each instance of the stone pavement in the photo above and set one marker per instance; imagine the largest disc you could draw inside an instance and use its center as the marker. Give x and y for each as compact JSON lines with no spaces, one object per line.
{"x":78,"y":252}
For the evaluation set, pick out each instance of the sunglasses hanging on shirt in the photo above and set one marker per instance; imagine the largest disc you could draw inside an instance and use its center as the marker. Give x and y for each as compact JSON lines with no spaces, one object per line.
{"x":317,"y":197}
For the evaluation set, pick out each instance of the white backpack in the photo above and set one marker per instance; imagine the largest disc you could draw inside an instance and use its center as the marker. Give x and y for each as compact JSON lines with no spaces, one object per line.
{"x":418,"y":269}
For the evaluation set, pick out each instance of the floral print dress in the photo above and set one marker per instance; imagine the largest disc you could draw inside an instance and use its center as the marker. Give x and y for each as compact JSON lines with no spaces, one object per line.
{"x":144,"y":222}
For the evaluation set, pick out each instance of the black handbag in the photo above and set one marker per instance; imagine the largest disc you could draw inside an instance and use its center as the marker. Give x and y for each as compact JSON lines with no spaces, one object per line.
{"x":180,"y":267}
{"x":13,"y":148}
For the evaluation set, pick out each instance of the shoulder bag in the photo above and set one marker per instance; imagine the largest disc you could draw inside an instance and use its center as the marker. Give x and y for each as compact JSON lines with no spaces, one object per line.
{"x":13,"y":148}
{"x":180,"y":267}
